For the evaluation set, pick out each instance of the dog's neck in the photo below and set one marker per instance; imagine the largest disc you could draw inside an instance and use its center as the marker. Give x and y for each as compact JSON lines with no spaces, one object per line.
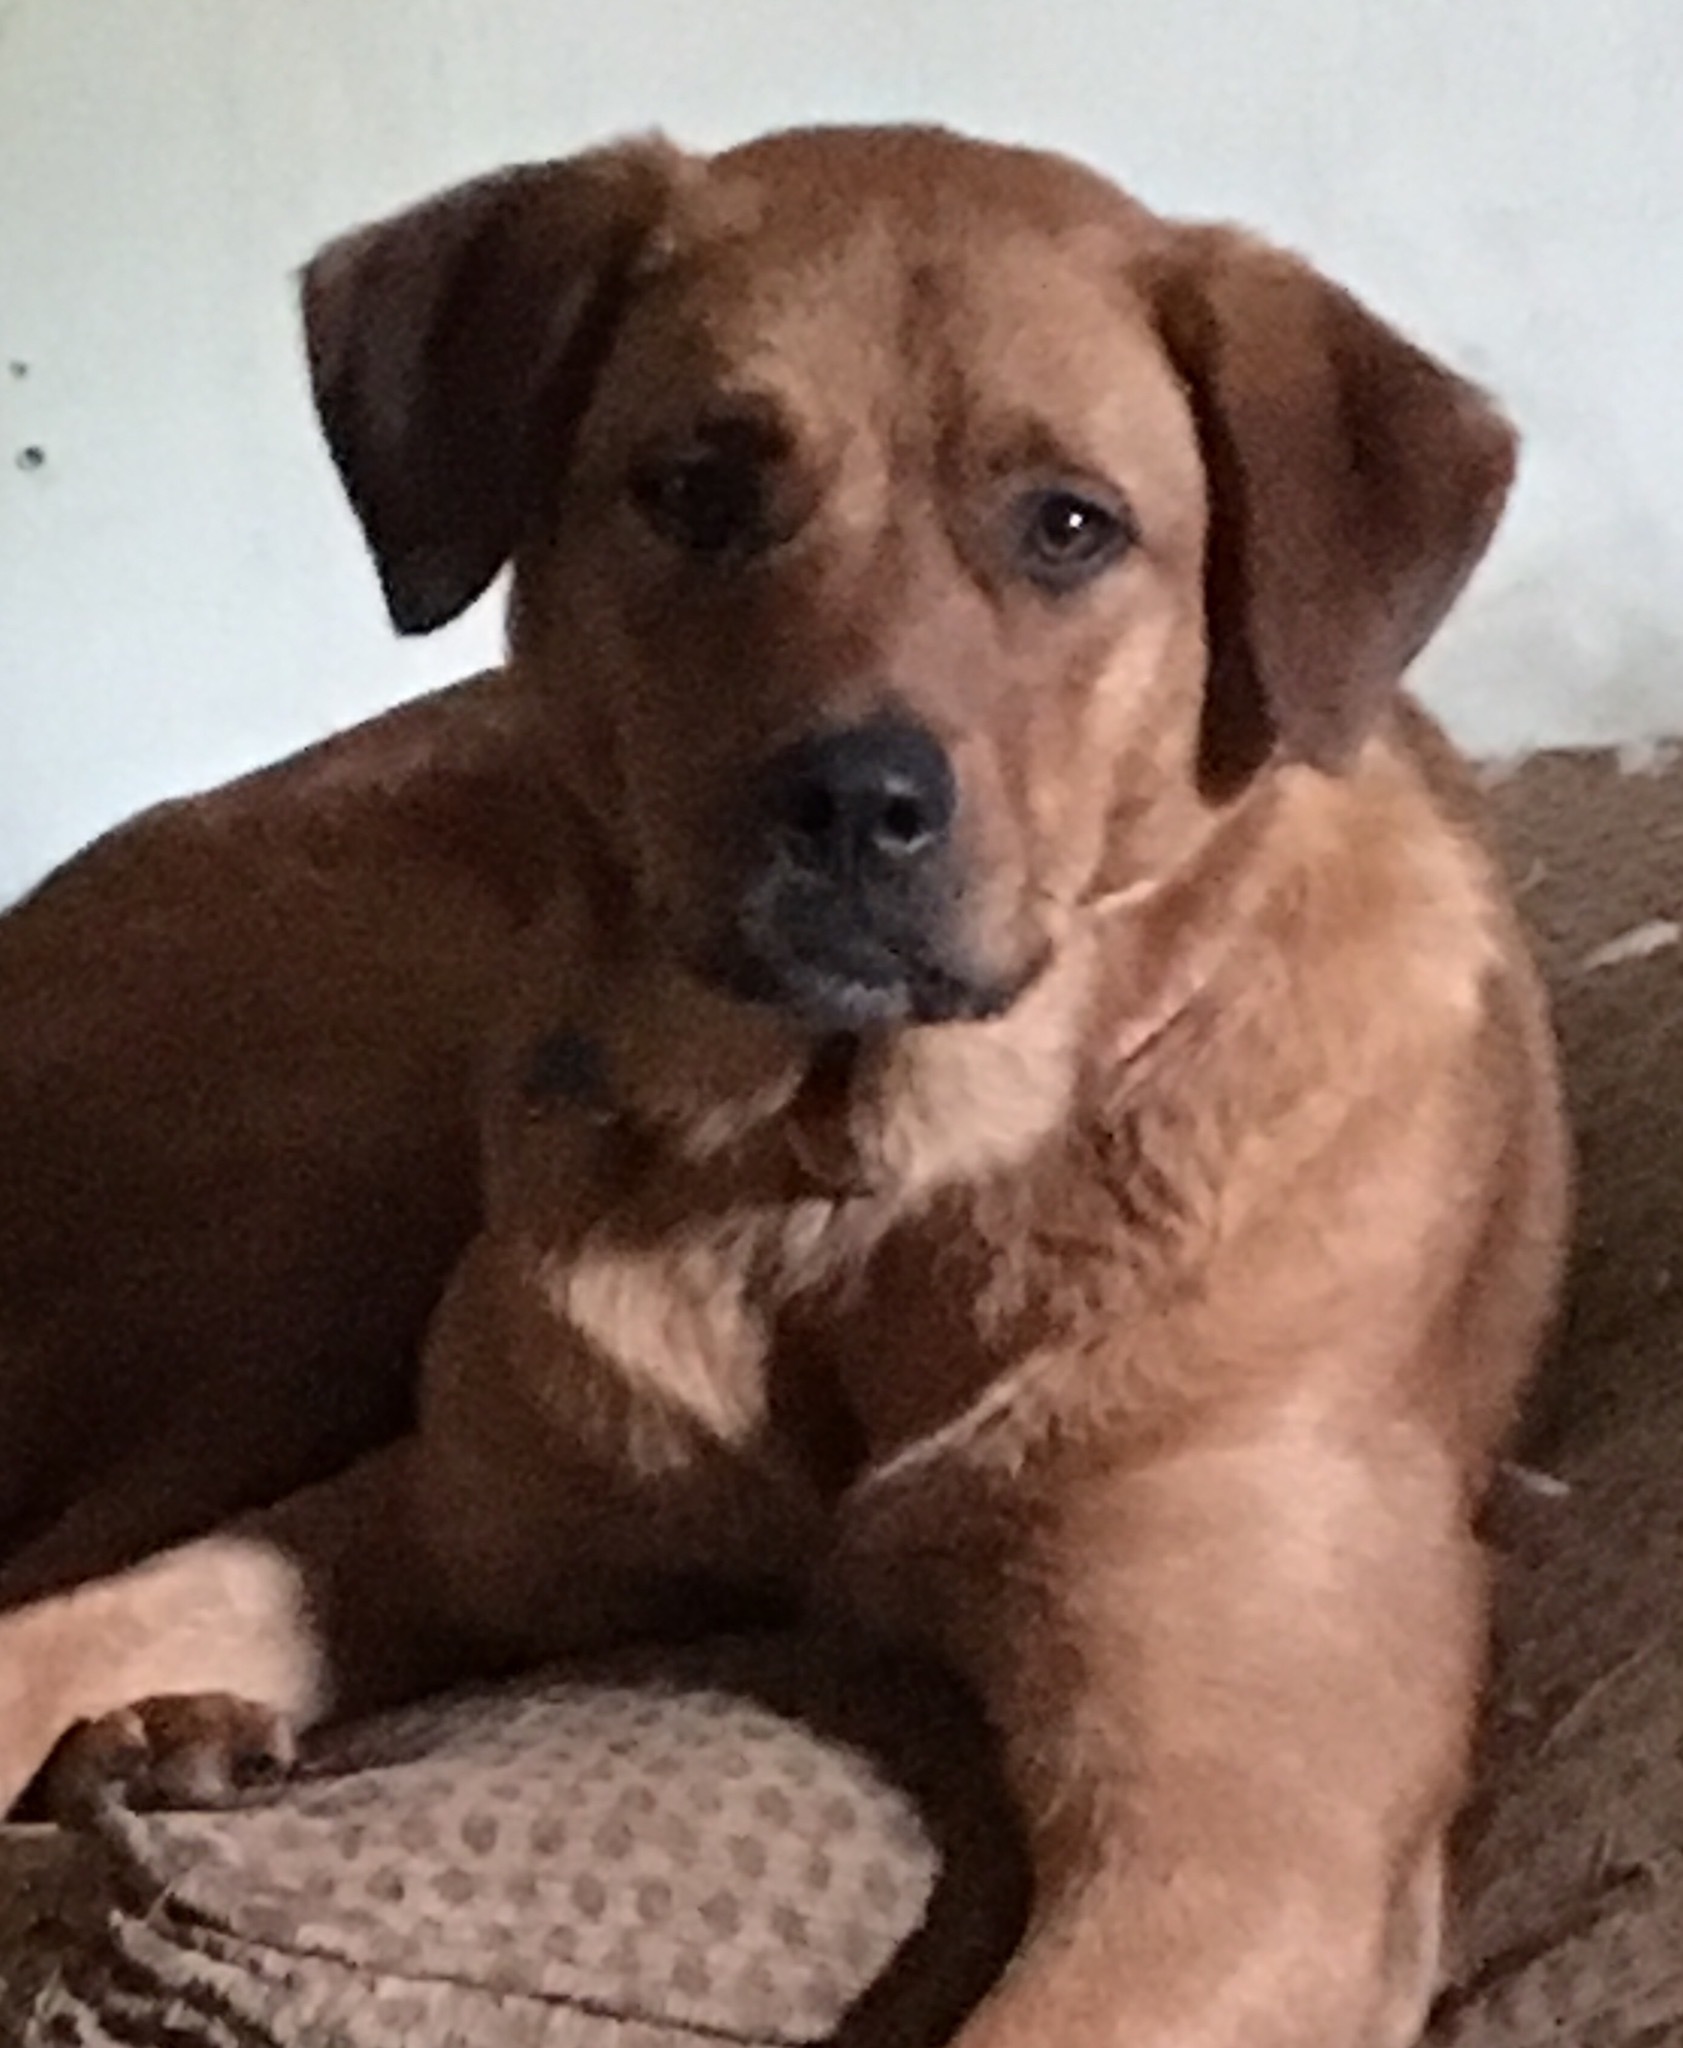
{"x":891,"y":1115}
{"x":1165,"y":943}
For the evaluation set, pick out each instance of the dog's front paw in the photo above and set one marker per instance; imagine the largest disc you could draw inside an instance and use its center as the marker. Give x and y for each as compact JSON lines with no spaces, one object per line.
{"x":179,"y":1750}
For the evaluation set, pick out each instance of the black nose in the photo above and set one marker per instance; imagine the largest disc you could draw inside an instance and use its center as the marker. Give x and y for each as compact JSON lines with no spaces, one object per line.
{"x":874,"y":795}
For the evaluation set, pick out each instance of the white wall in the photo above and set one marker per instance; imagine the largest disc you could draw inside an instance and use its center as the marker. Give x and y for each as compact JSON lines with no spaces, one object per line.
{"x":182,"y":594}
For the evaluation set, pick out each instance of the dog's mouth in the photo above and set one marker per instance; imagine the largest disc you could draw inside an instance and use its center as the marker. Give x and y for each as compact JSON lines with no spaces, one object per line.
{"x":833,"y":967}
{"x":862,"y":994}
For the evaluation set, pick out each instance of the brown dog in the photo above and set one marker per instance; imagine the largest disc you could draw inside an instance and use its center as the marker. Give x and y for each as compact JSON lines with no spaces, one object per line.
{"x":1013,"y":1105}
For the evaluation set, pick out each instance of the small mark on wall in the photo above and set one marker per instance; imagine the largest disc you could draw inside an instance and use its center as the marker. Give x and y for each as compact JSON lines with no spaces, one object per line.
{"x":34,"y":456}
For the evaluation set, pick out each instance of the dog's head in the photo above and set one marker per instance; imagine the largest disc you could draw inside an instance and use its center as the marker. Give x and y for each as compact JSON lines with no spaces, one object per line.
{"x":917,"y":538}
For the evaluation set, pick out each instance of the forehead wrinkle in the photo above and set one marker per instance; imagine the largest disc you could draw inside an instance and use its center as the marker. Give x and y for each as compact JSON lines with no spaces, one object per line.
{"x":1065,"y":370}
{"x":809,"y":321}
{"x":1017,"y":349}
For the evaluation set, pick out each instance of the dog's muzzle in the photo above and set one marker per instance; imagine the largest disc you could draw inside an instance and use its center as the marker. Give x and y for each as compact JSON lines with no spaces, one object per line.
{"x":849,"y":905}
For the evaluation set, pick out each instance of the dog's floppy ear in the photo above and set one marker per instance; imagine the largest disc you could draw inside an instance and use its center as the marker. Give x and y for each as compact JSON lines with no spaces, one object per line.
{"x":450,"y":348}
{"x":1354,"y":484}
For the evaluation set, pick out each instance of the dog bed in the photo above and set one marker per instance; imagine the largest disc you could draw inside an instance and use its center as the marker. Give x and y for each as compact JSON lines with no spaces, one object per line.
{"x":739,"y":1844}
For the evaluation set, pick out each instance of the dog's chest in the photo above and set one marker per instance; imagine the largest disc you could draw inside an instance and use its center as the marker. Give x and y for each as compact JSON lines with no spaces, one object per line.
{"x":845,"y":1325}
{"x":945,"y":1307}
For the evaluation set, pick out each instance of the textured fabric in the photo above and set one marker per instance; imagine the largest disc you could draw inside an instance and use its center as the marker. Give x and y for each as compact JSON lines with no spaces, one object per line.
{"x":1570,"y":1928}
{"x":578,"y":1860}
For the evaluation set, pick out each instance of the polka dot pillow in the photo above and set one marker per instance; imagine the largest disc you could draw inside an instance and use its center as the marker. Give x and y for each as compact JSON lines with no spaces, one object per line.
{"x":772,"y":1845}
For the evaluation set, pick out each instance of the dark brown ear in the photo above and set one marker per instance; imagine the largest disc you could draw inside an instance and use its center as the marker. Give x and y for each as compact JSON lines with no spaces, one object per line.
{"x":1354,"y":484}
{"x":452,"y":346}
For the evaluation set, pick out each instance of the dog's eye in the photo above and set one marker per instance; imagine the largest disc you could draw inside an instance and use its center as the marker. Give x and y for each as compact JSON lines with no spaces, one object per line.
{"x":709,"y":496}
{"x":1067,"y":537}
{"x":706,"y":503}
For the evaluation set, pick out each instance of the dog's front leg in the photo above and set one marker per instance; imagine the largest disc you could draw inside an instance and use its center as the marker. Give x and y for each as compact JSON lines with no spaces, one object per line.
{"x":316,"y":1606}
{"x":1233,"y":1688}
{"x":558,"y":1495}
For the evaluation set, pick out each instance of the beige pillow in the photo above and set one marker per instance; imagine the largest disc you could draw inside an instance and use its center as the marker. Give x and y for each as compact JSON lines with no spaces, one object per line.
{"x":651,"y":1854}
